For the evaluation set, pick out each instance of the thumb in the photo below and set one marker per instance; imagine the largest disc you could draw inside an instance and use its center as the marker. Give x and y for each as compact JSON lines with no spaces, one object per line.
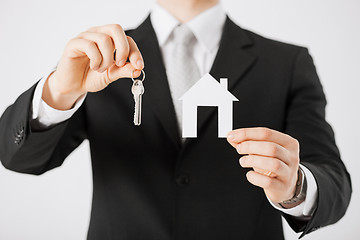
{"x":126,"y":71}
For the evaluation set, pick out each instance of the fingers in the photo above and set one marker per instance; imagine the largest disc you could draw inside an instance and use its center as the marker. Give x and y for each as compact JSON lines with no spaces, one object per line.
{"x":273,"y":187}
{"x":135,"y":55}
{"x":115,"y":72}
{"x":84,"y":47}
{"x":267,"y":149}
{"x":108,"y":38}
{"x":105,"y":46}
{"x":261,"y":134}
{"x":262,"y":181}
{"x":118,"y":37}
{"x":132,"y":69}
{"x":125,"y":46}
{"x":273,"y":155}
{"x":263,"y":165}
{"x":265,"y":173}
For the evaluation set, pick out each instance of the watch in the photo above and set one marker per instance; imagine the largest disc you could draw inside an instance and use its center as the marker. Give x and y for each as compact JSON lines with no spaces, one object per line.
{"x":300,"y":190}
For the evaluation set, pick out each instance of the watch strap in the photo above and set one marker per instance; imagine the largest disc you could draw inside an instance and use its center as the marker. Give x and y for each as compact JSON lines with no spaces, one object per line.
{"x":300,"y":191}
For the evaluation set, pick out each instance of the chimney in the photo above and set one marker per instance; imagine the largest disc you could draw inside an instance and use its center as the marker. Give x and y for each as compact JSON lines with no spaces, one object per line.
{"x":224,"y":83}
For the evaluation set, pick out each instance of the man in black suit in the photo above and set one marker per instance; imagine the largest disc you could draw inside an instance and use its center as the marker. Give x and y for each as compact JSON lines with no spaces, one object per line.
{"x":151,"y":184}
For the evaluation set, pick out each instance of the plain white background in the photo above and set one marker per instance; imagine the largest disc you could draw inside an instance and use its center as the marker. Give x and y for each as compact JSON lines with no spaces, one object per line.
{"x":33,"y":34}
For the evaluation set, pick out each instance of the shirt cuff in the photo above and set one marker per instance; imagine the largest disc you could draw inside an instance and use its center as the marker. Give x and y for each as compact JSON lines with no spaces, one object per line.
{"x":306,"y":208}
{"x":46,"y":115}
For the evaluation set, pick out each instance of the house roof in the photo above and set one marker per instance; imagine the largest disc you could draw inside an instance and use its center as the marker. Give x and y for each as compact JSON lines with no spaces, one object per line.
{"x":208,"y":89}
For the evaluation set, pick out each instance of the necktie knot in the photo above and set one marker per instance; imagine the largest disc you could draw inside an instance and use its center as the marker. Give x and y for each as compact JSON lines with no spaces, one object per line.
{"x":183,"y":34}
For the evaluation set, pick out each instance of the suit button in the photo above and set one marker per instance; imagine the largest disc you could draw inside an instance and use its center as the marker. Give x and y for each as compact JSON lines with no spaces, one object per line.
{"x":183,"y":180}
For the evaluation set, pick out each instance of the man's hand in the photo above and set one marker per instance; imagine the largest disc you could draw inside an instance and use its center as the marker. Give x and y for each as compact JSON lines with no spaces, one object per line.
{"x":274,"y":157}
{"x":88,"y":65}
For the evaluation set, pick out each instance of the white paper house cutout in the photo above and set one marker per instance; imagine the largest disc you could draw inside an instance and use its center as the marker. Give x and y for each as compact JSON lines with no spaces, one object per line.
{"x":207,"y":92}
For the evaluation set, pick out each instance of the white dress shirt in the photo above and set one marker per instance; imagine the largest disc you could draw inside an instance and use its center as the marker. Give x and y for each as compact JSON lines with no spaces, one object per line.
{"x":204,"y":48}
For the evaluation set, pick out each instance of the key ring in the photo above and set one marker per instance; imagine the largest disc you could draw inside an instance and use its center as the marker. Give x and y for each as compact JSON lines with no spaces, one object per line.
{"x":132,"y":75}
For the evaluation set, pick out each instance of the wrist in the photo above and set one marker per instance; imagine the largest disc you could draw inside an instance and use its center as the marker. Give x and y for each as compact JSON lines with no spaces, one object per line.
{"x":57,"y":99}
{"x":300,"y":192}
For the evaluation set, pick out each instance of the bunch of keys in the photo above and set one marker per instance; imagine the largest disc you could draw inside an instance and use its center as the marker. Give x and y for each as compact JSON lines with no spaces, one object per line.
{"x":137,"y":90}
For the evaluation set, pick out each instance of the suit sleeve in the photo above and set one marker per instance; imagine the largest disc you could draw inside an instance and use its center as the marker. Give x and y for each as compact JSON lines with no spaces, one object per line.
{"x":318,"y":151}
{"x":25,"y":148}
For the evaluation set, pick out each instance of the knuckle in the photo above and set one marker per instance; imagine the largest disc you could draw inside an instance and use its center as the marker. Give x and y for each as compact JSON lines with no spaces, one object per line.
{"x":89,"y":44}
{"x":296,"y":143}
{"x":275,"y":165}
{"x":244,"y":133}
{"x":265,"y":133}
{"x":273,"y":150}
{"x":117,"y":27}
{"x":105,"y":39}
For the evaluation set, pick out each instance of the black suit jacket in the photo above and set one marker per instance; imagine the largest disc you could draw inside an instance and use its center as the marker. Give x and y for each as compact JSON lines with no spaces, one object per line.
{"x":148,"y":185}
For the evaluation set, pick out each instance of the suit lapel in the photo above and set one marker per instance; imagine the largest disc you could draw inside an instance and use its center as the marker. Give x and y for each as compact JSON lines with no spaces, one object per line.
{"x":232,"y":61}
{"x":158,"y":96}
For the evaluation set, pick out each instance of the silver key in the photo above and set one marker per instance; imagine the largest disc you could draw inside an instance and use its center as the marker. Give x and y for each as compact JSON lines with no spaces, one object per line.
{"x":137,"y":90}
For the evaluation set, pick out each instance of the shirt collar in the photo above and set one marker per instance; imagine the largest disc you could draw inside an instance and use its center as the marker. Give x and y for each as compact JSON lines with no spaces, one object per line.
{"x":207,"y":26}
